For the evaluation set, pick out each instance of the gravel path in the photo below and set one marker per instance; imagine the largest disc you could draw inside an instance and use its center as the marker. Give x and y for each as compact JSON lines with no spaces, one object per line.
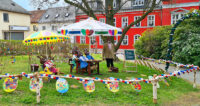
{"x":189,"y":77}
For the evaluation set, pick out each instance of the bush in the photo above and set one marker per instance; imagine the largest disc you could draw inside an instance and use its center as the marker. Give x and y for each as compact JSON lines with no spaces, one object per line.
{"x":186,"y":42}
{"x":153,"y":42}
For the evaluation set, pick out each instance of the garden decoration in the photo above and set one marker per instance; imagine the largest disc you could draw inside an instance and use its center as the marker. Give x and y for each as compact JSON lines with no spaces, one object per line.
{"x":36,"y":81}
{"x":90,"y":27}
{"x":10,"y":84}
{"x":113,"y":86}
{"x":33,"y":84}
{"x":136,"y":86}
{"x":62,"y":85}
{"x":194,"y":13}
{"x":89,"y":86}
{"x":44,"y":38}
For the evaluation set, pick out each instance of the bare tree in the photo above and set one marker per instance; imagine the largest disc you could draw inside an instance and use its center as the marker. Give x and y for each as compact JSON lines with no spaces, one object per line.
{"x":106,"y":9}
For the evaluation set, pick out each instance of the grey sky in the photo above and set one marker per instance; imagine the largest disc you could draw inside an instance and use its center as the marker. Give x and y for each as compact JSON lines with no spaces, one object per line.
{"x":27,"y":5}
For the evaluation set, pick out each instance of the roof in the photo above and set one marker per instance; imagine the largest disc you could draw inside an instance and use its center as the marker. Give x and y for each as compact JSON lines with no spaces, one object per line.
{"x":36,"y":15}
{"x":9,"y":5}
{"x":58,"y":14}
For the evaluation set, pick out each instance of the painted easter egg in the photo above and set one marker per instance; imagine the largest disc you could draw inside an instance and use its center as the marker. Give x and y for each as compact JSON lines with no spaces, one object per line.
{"x":113,"y":86}
{"x":62,"y":85}
{"x":33,"y":84}
{"x":89,"y":86}
{"x":136,"y":86}
{"x":10,"y":85}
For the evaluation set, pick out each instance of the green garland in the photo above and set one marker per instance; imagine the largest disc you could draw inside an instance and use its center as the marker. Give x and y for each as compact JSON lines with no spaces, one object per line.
{"x":194,"y":13}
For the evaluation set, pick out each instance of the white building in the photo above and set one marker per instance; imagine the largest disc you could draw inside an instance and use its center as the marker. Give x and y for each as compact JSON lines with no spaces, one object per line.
{"x":14,"y":21}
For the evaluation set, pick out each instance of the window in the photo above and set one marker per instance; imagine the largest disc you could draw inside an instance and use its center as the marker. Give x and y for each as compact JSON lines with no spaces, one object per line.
{"x":54,"y":28}
{"x":136,"y":37}
{"x":124,"y":22}
{"x":67,"y":15}
{"x":114,"y":21}
{"x":34,"y":28}
{"x":137,"y":2}
{"x":125,"y":40}
{"x":176,"y":17}
{"x":114,"y":3}
{"x":135,"y":19}
{"x":102,"y":20}
{"x":115,"y":39}
{"x":43,"y":27}
{"x":6,"y":36}
{"x":47,"y":16}
{"x":5,"y":17}
{"x":151,"y":20}
{"x":92,"y":40}
{"x":57,"y":15}
{"x":82,"y":39}
{"x":101,"y":41}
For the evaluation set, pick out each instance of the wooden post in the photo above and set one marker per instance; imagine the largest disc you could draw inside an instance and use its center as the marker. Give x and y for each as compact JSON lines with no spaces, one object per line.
{"x":38,"y":88}
{"x":154,"y":82}
{"x":194,"y":85}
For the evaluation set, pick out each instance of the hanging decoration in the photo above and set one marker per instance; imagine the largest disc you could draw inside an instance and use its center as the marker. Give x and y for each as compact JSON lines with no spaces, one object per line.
{"x":113,"y":85}
{"x":87,"y":32}
{"x":89,"y":86}
{"x":62,"y":85}
{"x":136,"y":86}
{"x":10,"y":84}
{"x":33,"y":84}
{"x":90,"y":27}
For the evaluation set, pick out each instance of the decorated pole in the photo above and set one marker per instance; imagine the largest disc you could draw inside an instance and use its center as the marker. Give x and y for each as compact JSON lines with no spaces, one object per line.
{"x":194,"y":85}
{"x":154,"y":82}
{"x":37,"y":88}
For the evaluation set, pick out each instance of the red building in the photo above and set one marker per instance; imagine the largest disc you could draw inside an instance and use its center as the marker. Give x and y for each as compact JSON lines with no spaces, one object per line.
{"x":167,"y":13}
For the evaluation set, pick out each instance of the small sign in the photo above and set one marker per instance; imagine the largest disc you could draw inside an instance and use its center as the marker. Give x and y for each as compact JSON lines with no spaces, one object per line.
{"x":129,"y":54}
{"x":19,"y":28}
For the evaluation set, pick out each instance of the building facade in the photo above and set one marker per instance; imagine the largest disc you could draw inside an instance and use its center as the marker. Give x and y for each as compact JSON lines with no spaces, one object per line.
{"x":35,"y":18}
{"x":166,"y":13}
{"x":55,"y":18}
{"x":11,"y":25}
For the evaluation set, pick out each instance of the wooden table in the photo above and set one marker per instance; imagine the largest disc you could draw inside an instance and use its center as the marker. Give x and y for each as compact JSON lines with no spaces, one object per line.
{"x":96,"y":62}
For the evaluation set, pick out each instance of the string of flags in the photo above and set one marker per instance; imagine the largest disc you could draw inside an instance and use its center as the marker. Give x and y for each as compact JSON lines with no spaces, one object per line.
{"x":177,"y":64}
{"x":62,"y":86}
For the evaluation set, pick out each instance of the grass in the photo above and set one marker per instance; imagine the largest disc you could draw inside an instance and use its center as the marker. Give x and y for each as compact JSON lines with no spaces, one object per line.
{"x":102,"y":96}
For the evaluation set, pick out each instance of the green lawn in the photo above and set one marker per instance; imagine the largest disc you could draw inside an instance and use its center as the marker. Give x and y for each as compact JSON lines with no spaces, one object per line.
{"x":101,"y":96}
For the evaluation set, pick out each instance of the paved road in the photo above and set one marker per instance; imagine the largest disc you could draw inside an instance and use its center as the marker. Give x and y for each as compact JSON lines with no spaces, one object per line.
{"x":189,"y":77}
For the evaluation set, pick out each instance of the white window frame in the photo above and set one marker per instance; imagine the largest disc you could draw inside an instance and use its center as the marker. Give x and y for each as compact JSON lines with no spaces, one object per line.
{"x":102,"y":20}
{"x":116,"y":41}
{"x":101,"y":41}
{"x":138,"y":2}
{"x":180,"y":15}
{"x":125,"y":39}
{"x":43,"y":27}
{"x":138,"y":36}
{"x":115,"y":24}
{"x":148,"y":21}
{"x":7,"y":18}
{"x":82,"y":40}
{"x":123,"y":26}
{"x":135,"y":19}
{"x":114,"y":3}
{"x":92,"y":38}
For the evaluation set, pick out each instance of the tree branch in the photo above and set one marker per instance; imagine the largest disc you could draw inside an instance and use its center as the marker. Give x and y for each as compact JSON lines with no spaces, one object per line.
{"x":120,"y":6}
{"x":91,"y":12}
{"x":79,"y":6}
